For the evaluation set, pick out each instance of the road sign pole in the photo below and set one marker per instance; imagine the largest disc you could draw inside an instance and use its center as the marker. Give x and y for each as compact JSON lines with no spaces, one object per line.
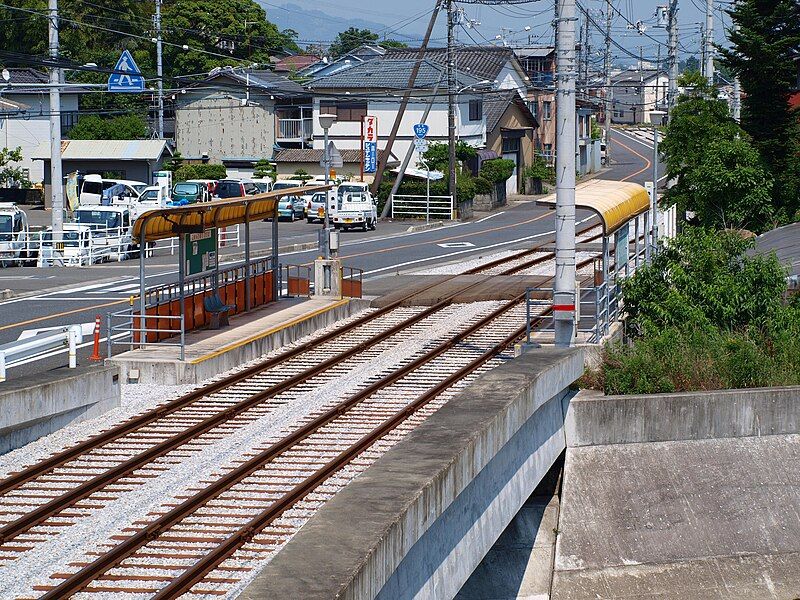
{"x":56,"y":185}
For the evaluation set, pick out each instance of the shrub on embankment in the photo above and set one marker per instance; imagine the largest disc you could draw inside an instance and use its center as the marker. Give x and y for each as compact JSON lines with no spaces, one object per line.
{"x":706,"y":314}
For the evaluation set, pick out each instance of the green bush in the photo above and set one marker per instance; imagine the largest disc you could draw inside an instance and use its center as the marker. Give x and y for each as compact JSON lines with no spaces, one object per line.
{"x":483,"y":186}
{"x":706,"y":314}
{"x":210,"y":171}
{"x":465,"y":188}
{"x":539,"y":169}
{"x":184,"y":173}
{"x":438,"y":159}
{"x":497,"y":170}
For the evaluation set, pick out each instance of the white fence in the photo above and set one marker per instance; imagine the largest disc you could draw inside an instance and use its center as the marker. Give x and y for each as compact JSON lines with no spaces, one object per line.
{"x":423,"y":207}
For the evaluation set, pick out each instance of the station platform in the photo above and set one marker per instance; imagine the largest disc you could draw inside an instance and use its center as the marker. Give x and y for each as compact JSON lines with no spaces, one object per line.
{"x":210,"y":352}
{"x":427,"y":290}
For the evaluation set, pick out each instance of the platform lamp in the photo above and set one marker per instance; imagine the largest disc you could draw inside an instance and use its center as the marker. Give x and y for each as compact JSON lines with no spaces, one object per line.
{"x":326,"y":121}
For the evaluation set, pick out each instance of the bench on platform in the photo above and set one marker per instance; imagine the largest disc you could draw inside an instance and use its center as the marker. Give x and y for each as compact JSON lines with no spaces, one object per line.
{"x":218,"y":310}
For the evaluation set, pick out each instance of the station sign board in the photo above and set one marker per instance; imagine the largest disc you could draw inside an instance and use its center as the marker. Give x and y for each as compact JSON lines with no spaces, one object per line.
{"x":201,"y":251}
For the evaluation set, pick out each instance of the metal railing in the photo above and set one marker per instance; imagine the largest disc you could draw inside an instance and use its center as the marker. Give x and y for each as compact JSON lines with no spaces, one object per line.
{"x":295,"y":129}
{"x":68,"y":336}
{"x":352,"y":282}
{"x":128,"y":328}
{"x":592,"y":312}
{"x":423,"y":207}
{"x":67,"y":247}
{"x":298,"y":280}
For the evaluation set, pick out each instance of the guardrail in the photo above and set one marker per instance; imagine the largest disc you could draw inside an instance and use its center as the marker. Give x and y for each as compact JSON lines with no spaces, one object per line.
{"x":68,"y":336}
{"x":592,"y":314}
{"x":127,"y":328}
{"x":423,"y":207}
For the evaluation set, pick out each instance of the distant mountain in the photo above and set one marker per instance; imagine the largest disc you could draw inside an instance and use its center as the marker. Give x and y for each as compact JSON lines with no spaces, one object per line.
{"x":315,"y":26}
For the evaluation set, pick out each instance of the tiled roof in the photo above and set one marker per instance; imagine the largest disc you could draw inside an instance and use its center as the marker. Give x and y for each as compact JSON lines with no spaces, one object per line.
{"x":296,"y":62}
{"x":636,"y":76}
{"x":309,"y":155}
{"x":24,"y":75}
{"x":495,"y":106}
{"x":483,"y":62}
{"x":389,"y":74}
{"x":261,"y":79}
{"x":105,"y":150}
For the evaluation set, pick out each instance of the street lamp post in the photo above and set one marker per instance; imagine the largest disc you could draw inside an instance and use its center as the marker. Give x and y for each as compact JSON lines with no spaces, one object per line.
{"x":326,"y":121}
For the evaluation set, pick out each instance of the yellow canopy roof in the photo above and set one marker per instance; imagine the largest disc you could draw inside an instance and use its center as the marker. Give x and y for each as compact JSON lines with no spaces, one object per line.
{"x":615,"y":202}
{"x":165,"y":223}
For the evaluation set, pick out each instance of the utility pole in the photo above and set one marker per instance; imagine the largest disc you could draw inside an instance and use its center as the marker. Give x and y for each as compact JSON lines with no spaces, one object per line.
{"x":607,"y":82}
{"x":737,"y":91}
{"x":451,"y":102}
{"x":159,"y":71}
{"x":709,"y":41}
{"x":672,"y":28}
{"x":56,"y":184}
{"x":564,"y":292}
{"x":586,"y":53}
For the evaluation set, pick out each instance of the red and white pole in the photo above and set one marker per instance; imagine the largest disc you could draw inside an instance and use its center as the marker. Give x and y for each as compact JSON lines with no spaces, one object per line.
{"x":96,"y":350}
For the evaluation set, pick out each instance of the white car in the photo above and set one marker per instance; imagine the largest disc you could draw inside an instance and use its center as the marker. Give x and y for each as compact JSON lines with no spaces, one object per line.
{"x":356,"y":210}
{"x":315,"y":207}
{"x":77,"y":248}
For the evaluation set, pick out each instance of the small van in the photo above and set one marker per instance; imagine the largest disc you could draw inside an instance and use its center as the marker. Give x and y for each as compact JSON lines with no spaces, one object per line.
{"x":15,"y":237}
{"x":189,"y":192}
{"x":236,"y":188}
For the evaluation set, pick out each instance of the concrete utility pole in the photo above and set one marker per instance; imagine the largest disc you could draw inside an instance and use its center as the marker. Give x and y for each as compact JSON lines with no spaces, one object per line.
{"x":607,"y":83}
{"x":159,"y":71}
{"x":708,"y":44}
{"x":564,"y":294}
{"x":737,"y":92}
{"x":451,"y":102}
{"x":672,"y":29}
{"x":56,"y":184}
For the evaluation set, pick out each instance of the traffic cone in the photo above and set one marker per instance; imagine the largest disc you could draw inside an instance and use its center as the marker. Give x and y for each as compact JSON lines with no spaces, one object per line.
{"x":96,"y":351}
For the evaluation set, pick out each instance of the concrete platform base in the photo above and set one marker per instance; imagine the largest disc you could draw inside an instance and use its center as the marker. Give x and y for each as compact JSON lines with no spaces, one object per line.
{"x":209,"y":353}
{"x":38,"y":405}
{"x":489,"y":287}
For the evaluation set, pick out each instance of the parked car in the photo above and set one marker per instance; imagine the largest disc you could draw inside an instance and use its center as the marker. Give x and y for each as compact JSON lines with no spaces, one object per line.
{"x":264,"y":184}
{"x":77,"y":247}
{"x":211,"y":185}
{"x":236,"y":188}
{"x":189,"y":192}
{"x":356,"y":210}
{"x":112,"y":228}
{"x":315,"y":207}
{"x":15,"y":236}
{"x":95,"y":190}
{"x":291,"y":207}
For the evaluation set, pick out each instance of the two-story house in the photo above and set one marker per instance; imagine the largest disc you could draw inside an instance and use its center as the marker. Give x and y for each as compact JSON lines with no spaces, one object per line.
{"x":636,"y":93}
{"x":25,"y":114}
{"x":238,"y":116}
{"x":539,"y":63}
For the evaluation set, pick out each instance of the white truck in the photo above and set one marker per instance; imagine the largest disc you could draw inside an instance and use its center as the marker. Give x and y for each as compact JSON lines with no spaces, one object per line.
{"x":356,"y":209}
{"x":76,"y":248}
{"x":111,"y":227}
{"x":16,"y":244}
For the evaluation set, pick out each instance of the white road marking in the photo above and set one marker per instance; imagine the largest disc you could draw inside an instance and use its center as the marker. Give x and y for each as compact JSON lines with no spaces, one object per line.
{"x":490,"y":217}
{"x":456,"y":245}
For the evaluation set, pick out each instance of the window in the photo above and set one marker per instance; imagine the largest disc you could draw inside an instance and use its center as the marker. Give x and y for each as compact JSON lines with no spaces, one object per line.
{"x":344,"y":111}
{"x":548,"y":151}
{"x":510,"y":144}
{"x":533,"y":106}
{"x":547,"y":110}
{"x":475,"y":110}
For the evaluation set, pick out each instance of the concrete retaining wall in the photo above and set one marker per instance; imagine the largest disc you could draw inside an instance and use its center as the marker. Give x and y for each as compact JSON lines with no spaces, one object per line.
{"x":419,"y":521}
{"x":40,"y":404}
{"x":595,"y":419}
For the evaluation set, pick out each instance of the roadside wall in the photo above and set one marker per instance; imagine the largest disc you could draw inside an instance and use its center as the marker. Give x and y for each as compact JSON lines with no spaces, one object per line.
{"x":38,"y":405}
{"x":594,"y":419}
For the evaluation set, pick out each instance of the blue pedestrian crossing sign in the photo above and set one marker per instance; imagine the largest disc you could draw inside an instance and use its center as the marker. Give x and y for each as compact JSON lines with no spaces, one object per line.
{"x":127,"y":77}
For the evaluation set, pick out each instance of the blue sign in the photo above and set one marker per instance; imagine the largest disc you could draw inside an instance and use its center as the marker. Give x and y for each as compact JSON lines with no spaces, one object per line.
{"x":370,"y":157}
{"x":127,"y":77}
{"x":421,"y":130}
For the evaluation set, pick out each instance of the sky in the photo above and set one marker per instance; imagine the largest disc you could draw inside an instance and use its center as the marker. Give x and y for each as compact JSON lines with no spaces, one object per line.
{"x":408,"y":19}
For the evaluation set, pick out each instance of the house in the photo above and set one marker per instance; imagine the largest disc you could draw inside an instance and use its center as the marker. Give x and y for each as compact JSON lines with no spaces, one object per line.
{"x":310,"y":160}
{"x":375,"y":88}
{"x":511,"y":132}
{"x":794,"y":99}
{"x":25,"y":114}
{"x":637,"y":92}
{"x":238,"y":116}
{"x":327,"y":66}
{"x":136,"y":160}
{"x":539,"y":63}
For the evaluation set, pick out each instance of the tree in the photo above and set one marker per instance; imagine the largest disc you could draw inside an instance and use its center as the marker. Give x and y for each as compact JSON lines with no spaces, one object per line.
{"x":12,"y":176}
{"x":437,"y":157}
{"x":351,"y":39}
{"x":763,"y":55}
{"x":93,"y":127}
{"x":264,"y":168}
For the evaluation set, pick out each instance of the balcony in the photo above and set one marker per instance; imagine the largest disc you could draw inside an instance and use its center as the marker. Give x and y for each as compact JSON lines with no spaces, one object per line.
{"x":294,"y":130}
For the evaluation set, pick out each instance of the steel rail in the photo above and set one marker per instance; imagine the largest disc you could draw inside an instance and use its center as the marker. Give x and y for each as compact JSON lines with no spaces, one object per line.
{"x":69,"y":498}
{"x":145,"y":535}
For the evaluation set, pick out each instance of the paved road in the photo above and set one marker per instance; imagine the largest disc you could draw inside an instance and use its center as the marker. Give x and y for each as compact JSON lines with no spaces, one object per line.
{"x":385,"y":252}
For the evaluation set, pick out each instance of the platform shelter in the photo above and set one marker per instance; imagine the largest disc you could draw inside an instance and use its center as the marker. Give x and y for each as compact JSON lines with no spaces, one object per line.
{"x":172,"y":310}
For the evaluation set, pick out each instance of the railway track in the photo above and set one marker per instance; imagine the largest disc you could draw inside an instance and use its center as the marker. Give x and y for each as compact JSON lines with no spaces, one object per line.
{"x":244,"y":508}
